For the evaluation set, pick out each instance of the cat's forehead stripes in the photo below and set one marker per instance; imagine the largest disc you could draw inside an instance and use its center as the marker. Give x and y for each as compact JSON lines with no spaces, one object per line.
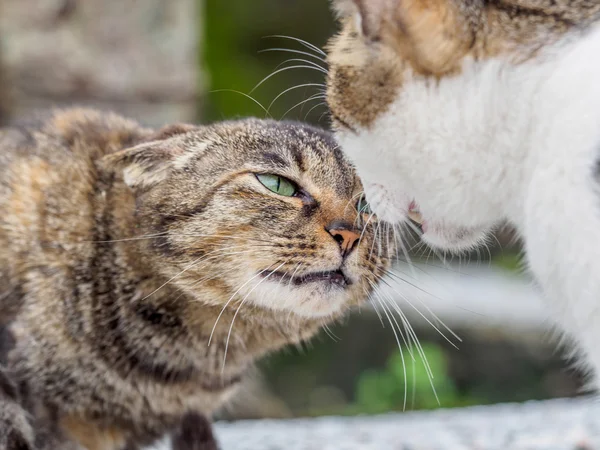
{"x":299,"y":151}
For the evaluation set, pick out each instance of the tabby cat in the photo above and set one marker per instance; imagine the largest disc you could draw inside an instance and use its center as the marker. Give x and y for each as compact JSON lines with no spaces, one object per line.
{"x":464,"y":114}
{"x":142,"y":272}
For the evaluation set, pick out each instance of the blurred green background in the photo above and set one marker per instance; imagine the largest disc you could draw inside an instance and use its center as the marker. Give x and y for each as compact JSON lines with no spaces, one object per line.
{"x":239,"y":50}
{"x":193,"y":60}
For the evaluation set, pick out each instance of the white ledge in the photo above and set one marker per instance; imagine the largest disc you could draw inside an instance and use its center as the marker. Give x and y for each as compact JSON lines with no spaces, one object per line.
{"x":549,"y":425}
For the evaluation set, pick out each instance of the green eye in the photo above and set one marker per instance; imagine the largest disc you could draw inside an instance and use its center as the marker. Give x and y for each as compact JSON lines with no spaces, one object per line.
{"x":277,"y":184}
{"x":362,"y":206}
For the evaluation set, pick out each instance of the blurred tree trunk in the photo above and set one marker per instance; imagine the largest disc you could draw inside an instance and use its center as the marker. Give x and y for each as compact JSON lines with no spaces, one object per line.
{"x":136,"y":57}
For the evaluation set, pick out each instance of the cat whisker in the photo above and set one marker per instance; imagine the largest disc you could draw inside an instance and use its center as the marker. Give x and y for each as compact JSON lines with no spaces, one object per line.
{"x":313,"y":64}
{"x":198,"y":282}
{"x":375,"y":309}
{"x":279,"y":71}
{"x":294,"y":274}
{"x":487,"y":248}
{"x":166,"y":233}
{"x":313,"y":108}
{"x":365,"y":228}
{"x":300,"y":103}
{"x":240,"y":307}
{"x":403,"y":280}
{"x":230,"y":299}
{"x":449,"y":268}
{"x":493,"y":236}
{"x":301,"y":41}
{"x":405,"y":252}
{"x":194,"y":264}
{"x":331,"y":334}
{"x":224,"y":236}
{"x":353,"y":203}
{"x":247,"y":96}
{"x":478,"y":259}
{"x":403,"y":318}
{"x":290,"y":50}
{"x":411,"y":335}
{"x":321,"y":116}
{"x":383,"y":307}
{"x":415,"y":340}
{"x":403,"y":297}
{"x":318,"y":95}
{"x":375,"y":237}
{"x":442,"y":258}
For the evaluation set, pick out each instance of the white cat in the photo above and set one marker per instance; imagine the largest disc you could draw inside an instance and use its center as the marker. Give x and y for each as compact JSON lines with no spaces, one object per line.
{"x":477,"y":112}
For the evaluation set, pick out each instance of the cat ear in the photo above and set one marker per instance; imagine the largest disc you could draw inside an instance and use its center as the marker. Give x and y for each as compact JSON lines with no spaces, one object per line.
{"x":150,"y":162}
{"x":173,"y":130}
{"x":145,"y":164}
{"x":435,"y":34}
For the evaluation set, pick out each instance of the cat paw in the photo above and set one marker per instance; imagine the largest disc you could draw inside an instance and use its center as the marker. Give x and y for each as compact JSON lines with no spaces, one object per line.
{"x":195,"y":433}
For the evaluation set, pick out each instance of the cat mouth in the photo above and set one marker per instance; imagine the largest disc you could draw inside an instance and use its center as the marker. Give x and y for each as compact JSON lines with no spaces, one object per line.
{"x":333,"y":277}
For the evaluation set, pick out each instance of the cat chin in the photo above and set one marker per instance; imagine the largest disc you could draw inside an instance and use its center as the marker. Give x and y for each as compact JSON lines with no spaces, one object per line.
{"x":315,"y":300}
{"x":454,"y":239}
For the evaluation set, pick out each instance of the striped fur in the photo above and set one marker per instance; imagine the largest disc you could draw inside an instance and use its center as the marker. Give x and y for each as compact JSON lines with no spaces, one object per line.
{"x":121,"y":247}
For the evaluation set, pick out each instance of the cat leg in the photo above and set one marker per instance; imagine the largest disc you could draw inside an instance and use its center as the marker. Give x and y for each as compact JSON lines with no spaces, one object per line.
{"x":16,"y":432}
{"x":91,"y":436}
{"x":195,"y":433}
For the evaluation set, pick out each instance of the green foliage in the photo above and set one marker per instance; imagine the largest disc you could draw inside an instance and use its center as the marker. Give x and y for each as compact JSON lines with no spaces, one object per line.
{"x":386,"y":390}
{"x":511,"y":261}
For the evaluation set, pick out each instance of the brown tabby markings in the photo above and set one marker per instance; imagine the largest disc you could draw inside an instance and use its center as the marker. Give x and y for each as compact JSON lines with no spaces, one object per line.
{"x":432,"y":38}
{"x":115,"y":264}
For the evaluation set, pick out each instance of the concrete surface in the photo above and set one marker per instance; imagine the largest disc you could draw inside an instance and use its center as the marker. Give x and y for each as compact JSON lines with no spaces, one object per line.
{"x":550,"y":425}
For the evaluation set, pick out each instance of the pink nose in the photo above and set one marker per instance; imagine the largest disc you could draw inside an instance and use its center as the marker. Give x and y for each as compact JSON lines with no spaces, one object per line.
{"x":345,"y":235}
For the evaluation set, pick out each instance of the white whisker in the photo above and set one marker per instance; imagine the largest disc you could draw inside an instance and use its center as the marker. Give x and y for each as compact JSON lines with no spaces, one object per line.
{"x":290,"y":50}
{"x":301,"y":41}
{"x":279,"y":71}
{"x":397,"y":341}
{"x":245,"y":95}
{"x":240,"y":307}
{"x":231,"y":298}
{"x":301,"y":103}
{"x":295,"y":87}
{"x":313,"y":64}
{"x":313,"y":108}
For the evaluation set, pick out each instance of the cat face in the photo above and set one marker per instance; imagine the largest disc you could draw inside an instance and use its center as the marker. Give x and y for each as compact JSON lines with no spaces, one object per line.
{"x":427,"y":99}
{"x":257,"y":212}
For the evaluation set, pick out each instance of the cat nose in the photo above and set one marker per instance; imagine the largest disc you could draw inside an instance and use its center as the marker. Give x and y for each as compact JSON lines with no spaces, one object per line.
{"x":343,"y":233}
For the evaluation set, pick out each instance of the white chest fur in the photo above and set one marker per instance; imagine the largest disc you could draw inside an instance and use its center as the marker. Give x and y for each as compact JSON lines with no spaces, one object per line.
{"x":499,"y":142}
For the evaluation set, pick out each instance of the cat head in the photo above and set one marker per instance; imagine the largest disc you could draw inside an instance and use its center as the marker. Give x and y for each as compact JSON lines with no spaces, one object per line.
{"x":429,"y":99}
{"x":266,"y":213}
